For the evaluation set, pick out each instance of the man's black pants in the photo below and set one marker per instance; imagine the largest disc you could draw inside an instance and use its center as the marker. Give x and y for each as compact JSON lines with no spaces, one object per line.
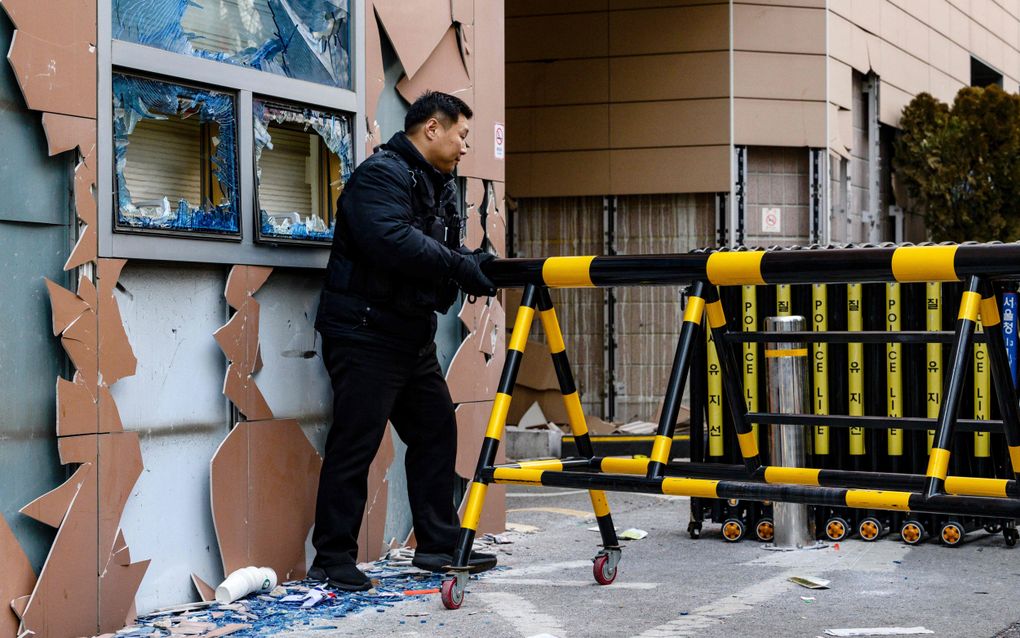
{"x":372,"y":384}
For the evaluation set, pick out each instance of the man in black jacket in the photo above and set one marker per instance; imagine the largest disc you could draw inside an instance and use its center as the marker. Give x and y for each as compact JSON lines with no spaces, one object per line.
{"x":396,"y":261}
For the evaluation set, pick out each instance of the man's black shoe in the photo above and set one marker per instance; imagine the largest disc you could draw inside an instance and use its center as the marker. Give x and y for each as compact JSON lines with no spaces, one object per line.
{"x":479,"y":562}
{"x":346,"y":577}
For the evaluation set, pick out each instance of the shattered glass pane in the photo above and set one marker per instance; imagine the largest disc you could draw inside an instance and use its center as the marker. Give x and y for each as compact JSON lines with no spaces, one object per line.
{"x":175,"y":151}
{"x":302,"y":39}
{"x":303,"y":158}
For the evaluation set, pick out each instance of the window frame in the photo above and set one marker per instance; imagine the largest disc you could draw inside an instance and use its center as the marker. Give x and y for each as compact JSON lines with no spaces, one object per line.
{"x":244,"y":83}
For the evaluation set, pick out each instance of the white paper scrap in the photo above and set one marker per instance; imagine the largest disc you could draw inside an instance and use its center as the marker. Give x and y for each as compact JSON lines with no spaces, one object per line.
{"x":879,"y":631}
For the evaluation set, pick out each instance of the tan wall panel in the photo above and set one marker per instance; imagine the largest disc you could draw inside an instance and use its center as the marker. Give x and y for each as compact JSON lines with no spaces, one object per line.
{"x":699,"y":28}
{"x":696,"y":169}
{"x":778,"y":123}
{"x":891,"y":102}
{"x":944,"y":87}
{"x":558,"y":128}
{"x":580,"y":35}
{"x":778,"y":29}
{"x":558,"y":174}
{"x":840,"y":81}
{"x":900,"y":68}
{"x":557,"y":83}
{"x":808,"y":4}
{"x":669,"y":77}
{"x":651,"y":4}
{"x":847,"y":43}
{"x":779,"y":76}
{"x":679,"y":123}
{"x":516,"y":8}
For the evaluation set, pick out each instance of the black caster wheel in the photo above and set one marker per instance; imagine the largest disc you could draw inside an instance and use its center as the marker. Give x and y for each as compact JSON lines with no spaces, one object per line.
{"x":733,"y":530}
{"x":694,"y":529}
{"x":951,"y":534}
{"x":912,"y":532}
{"x":994,"y":528}
{"x":870,"y":529}
{"x":837,"y":529}
{"x":765,"y":530}
{"x":1010,"y":535}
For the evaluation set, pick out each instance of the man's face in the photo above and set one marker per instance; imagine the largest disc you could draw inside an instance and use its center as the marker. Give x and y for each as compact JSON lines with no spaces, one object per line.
{"x":446,"y":144}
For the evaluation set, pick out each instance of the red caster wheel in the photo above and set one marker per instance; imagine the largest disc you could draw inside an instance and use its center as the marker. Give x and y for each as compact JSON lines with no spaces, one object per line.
{"x":604,"y":573}
{"x":452,"y":593}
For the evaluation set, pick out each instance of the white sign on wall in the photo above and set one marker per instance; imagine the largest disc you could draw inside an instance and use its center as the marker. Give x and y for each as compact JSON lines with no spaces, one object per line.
{"x":500,"y":144}
{"x":771,"y":219}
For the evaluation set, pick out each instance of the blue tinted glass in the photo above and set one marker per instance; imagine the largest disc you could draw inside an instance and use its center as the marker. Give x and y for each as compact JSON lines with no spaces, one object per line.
{"x":302,"y":39}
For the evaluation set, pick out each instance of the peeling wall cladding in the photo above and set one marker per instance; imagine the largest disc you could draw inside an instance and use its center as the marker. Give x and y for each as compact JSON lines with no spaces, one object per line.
{"x":170,"y":314}
{"x":777,"y":178}
{"x":136,"y":99}
{"x":547,"y":227}
{"x":648,"y":319}
{"x":306,"y":39}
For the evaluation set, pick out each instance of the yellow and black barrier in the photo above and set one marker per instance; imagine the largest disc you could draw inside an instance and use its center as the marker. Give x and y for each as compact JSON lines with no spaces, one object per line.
{"x":936,"y":492}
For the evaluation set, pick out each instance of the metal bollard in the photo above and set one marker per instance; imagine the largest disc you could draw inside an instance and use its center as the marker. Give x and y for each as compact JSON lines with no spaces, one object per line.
{"x":787,"y":368}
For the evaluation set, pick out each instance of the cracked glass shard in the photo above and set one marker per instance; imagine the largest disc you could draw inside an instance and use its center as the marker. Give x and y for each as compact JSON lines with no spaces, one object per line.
{"x":175,"y":151}
{"x":302,"y":39}
{"x":303,"y":158}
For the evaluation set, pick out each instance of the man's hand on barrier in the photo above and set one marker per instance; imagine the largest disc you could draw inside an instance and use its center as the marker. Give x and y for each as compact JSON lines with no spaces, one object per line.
{"x":469,"y":276}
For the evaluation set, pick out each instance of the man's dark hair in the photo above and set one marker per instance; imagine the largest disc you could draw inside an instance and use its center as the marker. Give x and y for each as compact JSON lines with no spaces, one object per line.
{"x":444,"y":107}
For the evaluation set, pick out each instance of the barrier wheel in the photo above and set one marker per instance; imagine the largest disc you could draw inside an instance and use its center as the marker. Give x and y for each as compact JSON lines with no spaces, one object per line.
{"x":837,"y":529}
{"x":995,"y":528}
{"x":870,"y":529}
{"x":732,"y":530}
{"x":694,"y":529}
{"x":912,"y":532}
{"x":765,"y":530}
{"x":1010,"y":535}
{"x":452,"y":594}
{"x":604,"y":572}
{"x":952,"y":534}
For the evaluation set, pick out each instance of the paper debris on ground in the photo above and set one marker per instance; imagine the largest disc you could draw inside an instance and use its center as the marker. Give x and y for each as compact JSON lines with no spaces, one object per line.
{"x":596,"y":529}
{"x":533,"y":417}
{"x":637,"y":427}
{"x":879,"y":631}
{"x":497,"y":539}
{"x":810,"y":582}
{"x":633,"y":534}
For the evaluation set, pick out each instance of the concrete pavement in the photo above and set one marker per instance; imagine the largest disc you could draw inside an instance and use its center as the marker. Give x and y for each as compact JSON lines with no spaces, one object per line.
{"x":670,"y":585}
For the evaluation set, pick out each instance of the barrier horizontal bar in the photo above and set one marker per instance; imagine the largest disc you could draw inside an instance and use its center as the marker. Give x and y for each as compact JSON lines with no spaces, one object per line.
{"x":955,"y":485}
{"x":891,"y":500}
{"x":850,"y":336}
{"x":904,"y":264}
{"x":884,"y":422}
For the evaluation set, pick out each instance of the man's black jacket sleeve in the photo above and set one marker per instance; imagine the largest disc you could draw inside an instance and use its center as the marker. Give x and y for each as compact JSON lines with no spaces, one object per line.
{"x":378,"y":214}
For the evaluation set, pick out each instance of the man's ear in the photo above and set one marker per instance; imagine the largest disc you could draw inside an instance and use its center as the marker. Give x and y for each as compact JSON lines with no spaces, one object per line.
{"x":432,"y":128}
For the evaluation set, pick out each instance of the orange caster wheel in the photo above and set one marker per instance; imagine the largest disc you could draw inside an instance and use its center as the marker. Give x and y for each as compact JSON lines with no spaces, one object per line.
{"x":952,"y":534}
{"x":837,"y":529}
{"x":912,"y":532}
{"x":765,"y":530}
{"x":870,"y":529}
{"x":732,"y":530}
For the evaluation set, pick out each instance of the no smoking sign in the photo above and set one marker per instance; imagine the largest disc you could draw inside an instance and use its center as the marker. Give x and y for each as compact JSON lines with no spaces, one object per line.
{"x":500,"y":141}
{"x":771,"y":220}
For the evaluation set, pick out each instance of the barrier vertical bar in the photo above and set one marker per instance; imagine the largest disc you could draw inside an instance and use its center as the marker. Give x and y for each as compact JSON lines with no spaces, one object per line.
{"x":893,"y":368}
{"x":998,"y":361}
{"x":982,"y":389}
{"x":575,"y":413}
{"x":749,"y":364}
{"x":938,"y":461}
{"x":855,"y":368}
{"x":689,"y":331}
{"x":494,"y":431}
{"x":933,"y":352}
{"x":746,"y":439}
{"x":820,"y":366}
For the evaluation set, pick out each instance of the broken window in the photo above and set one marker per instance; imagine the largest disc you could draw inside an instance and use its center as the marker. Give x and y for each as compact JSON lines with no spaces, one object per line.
{"x":175,"y":157}
{"x":302,"y":39}
{"x":303,"y":158}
